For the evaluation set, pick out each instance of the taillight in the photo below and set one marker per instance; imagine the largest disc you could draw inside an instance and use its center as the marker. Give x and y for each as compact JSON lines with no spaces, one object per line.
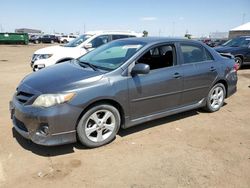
{"x":236,"y":67}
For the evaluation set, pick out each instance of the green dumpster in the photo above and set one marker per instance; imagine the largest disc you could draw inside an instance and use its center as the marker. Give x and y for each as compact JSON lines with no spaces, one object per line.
{"x":14,"y":38}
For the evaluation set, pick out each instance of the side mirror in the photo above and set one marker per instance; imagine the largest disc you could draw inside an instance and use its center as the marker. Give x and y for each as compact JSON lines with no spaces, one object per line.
{"x":140,"y":68}
{"x":88,"y":45}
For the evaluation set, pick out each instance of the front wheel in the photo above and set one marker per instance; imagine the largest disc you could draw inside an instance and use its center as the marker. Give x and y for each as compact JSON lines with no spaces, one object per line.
{"x":215,"y":98}
{"x":99,"y":125}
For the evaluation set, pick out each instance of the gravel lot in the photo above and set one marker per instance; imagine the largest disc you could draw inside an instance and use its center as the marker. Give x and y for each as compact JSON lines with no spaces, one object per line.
{"x":192,"y":149}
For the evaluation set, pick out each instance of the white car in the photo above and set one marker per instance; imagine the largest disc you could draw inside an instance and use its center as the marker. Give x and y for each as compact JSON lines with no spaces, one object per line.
{"x":67,"y":38}
{"x":56,"y":54}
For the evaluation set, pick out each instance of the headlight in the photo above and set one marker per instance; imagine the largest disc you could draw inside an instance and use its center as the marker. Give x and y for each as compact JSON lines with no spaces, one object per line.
{"x":41,"y":56}
{"x":47,"y":100}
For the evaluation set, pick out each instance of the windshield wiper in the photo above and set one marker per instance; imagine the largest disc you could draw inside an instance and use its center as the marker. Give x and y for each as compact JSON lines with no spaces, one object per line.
{"x":89,"y":65}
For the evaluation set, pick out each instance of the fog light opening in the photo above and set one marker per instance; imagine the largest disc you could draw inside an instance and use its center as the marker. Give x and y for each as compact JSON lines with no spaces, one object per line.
{"x":44,"y":130}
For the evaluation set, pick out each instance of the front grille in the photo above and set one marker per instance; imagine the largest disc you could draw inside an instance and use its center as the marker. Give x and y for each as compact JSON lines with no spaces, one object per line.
{"x":20,"y":124}
{"x":23,"y":97}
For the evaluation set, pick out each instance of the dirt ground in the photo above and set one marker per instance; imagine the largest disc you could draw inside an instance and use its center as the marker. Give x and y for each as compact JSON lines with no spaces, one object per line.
{"x":192,"y":149}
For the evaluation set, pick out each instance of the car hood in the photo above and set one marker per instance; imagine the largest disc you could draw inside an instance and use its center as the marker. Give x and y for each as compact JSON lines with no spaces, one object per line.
{"x":225,"y":49}
{"x":61,"y":77}
{"x":56,"y":49}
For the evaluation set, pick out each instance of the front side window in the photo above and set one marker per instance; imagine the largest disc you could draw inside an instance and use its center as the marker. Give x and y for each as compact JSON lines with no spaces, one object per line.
{"x":100,"y":40}
{"x":194,"y":53}
{"x":112,"y":55}
{"x":115,"y":37}
{"x":159,"y":57}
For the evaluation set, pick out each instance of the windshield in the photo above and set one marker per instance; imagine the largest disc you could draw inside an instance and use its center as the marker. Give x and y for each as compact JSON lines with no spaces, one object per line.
{"x":238,"y":42}
{"x":110,"y":56}
{"x":77,"y":41}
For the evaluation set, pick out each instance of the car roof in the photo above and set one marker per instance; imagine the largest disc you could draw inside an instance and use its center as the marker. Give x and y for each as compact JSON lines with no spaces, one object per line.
{"x":113,"y":32}
{"x":150,"y":40}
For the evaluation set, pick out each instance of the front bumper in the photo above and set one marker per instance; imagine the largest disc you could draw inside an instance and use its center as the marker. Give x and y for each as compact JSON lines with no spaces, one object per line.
{"x":45,"y":126}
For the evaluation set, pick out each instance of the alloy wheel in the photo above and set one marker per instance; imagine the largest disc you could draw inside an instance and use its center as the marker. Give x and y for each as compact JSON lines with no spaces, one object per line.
{"x":100,"y":125}
{"x":217,"y":97}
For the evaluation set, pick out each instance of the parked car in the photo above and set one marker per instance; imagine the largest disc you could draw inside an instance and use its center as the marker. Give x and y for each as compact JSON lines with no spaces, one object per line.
{"x":120,"y":84}
{"x":35,"y":39}
{"x":49,"y":39}
{"x":67,"y":38}
{"x":56,"y":54}
{"x":239,"y":47}
{"x":216,"y":42}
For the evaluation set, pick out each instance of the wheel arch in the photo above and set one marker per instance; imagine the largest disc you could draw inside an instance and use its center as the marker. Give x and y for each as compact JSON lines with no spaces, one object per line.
{"x":240,"y":56}
{"x":224,"y":82}
{"x":111,"y":102}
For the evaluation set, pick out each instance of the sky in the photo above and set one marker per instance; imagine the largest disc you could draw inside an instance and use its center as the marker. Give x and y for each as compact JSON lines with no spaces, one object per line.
{"x":158,"y":17}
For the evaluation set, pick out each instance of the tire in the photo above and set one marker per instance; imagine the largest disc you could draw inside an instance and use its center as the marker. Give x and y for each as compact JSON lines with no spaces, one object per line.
{"x":36,"y":41}
{"x":65,"y":41}
{"x":52,"y":42}
{"x":239,"y":62}
{"x":99,"y":125}
{"x":215,"y":98}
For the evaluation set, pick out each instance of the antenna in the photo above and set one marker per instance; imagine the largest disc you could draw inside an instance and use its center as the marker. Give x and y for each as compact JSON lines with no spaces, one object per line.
{"x":1,"y":28}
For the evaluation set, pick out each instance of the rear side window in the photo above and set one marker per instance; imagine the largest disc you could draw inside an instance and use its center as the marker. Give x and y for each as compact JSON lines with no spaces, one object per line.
{"x":100,"y":40}
{"x":195,"y":53}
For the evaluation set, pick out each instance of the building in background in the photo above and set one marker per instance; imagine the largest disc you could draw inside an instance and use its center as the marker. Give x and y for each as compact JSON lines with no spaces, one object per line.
{"x":29,"y":31}
{"x":218,"y":35}
{"x":242,"y":30}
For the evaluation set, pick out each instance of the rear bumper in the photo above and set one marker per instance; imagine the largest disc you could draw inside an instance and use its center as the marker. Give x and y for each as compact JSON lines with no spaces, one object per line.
{"x":231,"y":90}
{"x":232,"y":80}
{"x":45,"y":126}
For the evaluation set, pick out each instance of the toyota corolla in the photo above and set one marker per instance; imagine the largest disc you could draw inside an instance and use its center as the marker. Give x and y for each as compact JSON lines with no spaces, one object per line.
{"x":119,"y":85}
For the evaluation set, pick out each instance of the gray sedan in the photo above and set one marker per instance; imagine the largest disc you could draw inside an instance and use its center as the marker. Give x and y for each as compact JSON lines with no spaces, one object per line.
{"x":119,"y":85}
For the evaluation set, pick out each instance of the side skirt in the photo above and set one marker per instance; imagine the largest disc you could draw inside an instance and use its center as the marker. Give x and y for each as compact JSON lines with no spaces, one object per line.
{"x":130,"y":123}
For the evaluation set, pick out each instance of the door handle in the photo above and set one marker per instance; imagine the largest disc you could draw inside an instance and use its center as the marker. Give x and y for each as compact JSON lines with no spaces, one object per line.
{"x":212,"y":69}
{"x":177,"y":75}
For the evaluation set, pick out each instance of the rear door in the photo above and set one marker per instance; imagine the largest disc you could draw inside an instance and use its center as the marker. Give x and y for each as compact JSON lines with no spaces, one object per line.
{"x":199,"y":72}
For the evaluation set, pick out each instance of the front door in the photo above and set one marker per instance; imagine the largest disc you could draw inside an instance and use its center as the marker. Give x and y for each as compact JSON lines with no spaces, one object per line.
{"x":160,"y":89}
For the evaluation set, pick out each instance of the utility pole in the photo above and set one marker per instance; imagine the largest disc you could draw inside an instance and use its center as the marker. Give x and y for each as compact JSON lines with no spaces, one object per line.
{"x":159,"y":32}
{"x":243,"y":17}
{"x":84,"y":28}
{"x":1,"y":28}
{"x":173,"y":32}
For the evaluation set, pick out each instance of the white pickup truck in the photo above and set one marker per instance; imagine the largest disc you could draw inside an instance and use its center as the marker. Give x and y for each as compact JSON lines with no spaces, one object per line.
{"x":56,"y":54}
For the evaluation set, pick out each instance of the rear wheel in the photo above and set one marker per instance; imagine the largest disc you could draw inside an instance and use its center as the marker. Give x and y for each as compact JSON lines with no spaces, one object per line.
{"x":99,"y":125}
{"x":215,"y":98}
{"x":238,"y":62}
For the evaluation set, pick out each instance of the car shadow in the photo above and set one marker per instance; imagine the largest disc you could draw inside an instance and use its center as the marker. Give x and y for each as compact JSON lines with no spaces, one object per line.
{"x":48,"y":151}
